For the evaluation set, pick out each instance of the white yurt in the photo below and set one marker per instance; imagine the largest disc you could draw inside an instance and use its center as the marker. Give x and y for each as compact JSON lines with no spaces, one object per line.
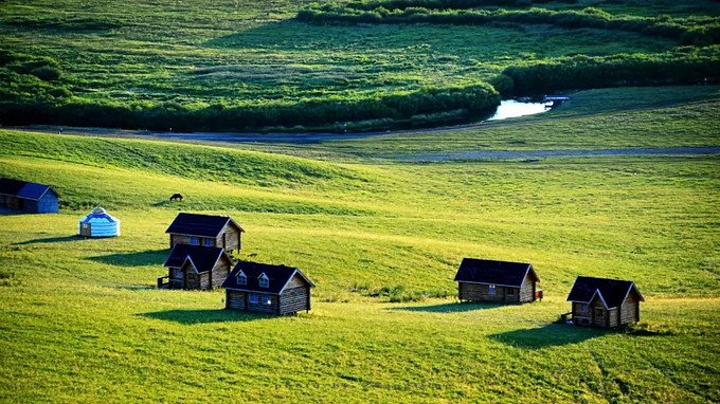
{"x":99,"y":224}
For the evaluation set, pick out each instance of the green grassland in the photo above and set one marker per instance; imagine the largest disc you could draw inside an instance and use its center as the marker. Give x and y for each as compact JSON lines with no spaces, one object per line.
{"x":168,"y":64}
{"x":81,"y":320}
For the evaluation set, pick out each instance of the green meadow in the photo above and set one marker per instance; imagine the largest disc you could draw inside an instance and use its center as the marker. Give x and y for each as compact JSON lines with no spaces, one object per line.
{"x":82,"y":321}
{"x":256,"y":65}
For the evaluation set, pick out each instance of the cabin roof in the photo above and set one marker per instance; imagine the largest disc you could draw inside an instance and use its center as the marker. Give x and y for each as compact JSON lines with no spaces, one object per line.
{"x":279,"y":276}
{"x":493,"y":272}
{"x":24,"y":189}
{"x":612,"y":291}
{"x":199,"y":225}
{"x":204,"y":258}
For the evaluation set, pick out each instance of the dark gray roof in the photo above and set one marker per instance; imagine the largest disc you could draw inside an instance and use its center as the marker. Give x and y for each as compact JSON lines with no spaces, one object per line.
{"x":204,"y":258}
{"x":494,"y":272}
{"x":23,"y":189}
{"x":279,"y":275}
{"x":199,"y":225}
{"x":613,"y":291}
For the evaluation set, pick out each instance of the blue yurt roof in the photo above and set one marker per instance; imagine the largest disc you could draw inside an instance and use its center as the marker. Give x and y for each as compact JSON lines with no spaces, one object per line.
{"x":99,"y":214}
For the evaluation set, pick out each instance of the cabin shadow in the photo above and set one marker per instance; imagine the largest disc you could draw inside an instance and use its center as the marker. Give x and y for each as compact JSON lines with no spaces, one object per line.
{"x":550,"y":335}
{"x":61,"y":239}
{"x":190,"y":317}
{"x":134,"y":259}
{"x":448,"y":307}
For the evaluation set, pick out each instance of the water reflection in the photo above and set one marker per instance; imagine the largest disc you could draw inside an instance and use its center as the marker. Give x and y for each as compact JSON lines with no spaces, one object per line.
{"x":514,"y":108}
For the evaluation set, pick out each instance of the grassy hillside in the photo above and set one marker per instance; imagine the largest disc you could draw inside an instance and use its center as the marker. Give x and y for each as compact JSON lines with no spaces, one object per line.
{"x":83,"y":322}
{"x":235,"y":65}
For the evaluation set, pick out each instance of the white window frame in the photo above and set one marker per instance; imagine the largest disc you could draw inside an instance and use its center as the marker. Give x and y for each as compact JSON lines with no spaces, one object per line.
{"x":491,"y":290}
{"x":253,"y":298}
{"x":241,"y":275}
{"x":263,"y":281}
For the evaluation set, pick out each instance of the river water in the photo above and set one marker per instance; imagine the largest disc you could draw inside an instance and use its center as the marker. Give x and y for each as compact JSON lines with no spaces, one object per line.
{"x":514,"y":108}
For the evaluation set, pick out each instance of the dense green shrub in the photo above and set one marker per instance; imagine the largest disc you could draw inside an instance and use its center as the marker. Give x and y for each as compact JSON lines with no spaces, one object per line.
{"x":683,"y":66}
{"x":696,"y":30}
{"x":475,"y":100}
{"x":445,"y":4}
{"x":46,"y":73}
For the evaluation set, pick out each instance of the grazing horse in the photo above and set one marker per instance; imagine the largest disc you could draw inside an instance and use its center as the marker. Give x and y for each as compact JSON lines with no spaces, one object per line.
{"x":176,"y":197}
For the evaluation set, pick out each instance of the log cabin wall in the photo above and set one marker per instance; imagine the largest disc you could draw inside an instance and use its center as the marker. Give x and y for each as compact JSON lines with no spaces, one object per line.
{"x":229,"y":238}
{"x":581,"y":314}
{"x":630,"y":309}
{"x":220,"y":272}
{"x":235,"y":300}
{"x":527,"y":290}
{"x":296,"y":296}
{"x":599,"y":314}
{"x":484,"y":293}
{"x":178,"y":239}
{"x":261,"y":306}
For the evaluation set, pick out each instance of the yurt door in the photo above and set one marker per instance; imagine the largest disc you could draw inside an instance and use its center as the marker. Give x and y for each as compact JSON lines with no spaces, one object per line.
{"x":85,"y":229}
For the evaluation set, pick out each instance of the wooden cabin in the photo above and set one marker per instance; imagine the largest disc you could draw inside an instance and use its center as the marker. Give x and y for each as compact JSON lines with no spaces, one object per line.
{"x":263,"y":288}
{"x":606,"y":303}
{"x":196,"y":267}
{"x":206,"y":231}
{"x":28,"y":197}
{"x":482,"y":280}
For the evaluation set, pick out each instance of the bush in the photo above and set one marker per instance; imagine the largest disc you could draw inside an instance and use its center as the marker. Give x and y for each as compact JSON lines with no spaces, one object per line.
{"x":691,"y":31}
{"x":684,"y":66}
{"x":475,"y":100}
{"x":46,"y":73}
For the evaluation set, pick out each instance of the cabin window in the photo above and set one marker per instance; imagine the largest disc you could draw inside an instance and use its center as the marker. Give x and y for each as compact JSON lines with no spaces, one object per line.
{"x":253,"y":298}
{"x":584,"y":307}
{"x":511,"y":291}
{"x":242,"y":278}
{"x":208,"y":242}
{"x":194,"y":241}
{"x":491,"y":290}
{"x":264,"y":281}
{"x":599,"y":312}
{"x":177,"y":273}
{"x":267,"y":300}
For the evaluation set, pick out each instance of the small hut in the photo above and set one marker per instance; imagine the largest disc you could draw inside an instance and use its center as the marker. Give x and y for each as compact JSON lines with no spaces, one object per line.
{"x":99,"y":224}
{"x":602,"y":302}
{"x":205,"y":230}
{"x":28,"y":197}
{"x":481,"y":280}
{"x":265,"y":288}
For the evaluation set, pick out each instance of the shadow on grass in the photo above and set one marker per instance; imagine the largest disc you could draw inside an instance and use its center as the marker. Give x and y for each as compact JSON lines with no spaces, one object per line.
{"x":189,"y":317}
{"x":550,"y":335}
{"x":449,"y":307}
{"x":62,"y":239}
{"x":136,"y":287}
{"x":134,"y":259}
